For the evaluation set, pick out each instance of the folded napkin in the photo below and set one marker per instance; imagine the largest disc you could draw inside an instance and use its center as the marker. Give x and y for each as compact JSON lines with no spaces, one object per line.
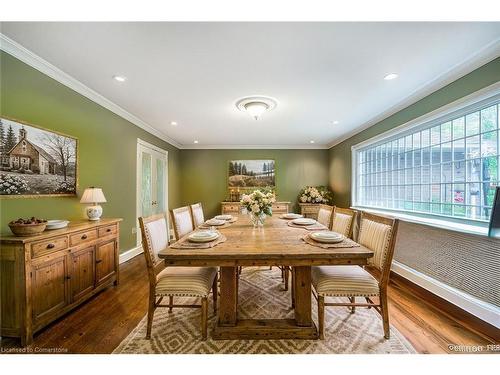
{"x":315,"y":226}
{"x":184,"y":243}
{"x":347,"y":242}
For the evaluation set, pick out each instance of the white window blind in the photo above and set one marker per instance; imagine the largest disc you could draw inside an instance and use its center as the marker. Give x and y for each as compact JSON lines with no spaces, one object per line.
{"x":447,"y":167}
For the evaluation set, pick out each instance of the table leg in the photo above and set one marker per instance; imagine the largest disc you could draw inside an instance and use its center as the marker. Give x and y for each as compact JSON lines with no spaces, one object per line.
{"x":228,"y":304}
{"x":302,"y":290}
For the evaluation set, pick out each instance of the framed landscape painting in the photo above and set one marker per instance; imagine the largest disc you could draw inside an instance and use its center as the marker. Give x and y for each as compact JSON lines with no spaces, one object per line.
{"x":251,"y":174}
{"x":36,"y":161}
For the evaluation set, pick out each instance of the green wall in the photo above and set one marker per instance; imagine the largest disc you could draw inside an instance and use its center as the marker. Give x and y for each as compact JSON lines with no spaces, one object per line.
{"x":107,"y":148}
{"x":204,"y":173}
{"x":340,"y":155}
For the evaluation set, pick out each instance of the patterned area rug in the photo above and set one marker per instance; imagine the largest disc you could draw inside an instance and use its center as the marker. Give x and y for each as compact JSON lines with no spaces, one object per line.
{"x":261,"y":295}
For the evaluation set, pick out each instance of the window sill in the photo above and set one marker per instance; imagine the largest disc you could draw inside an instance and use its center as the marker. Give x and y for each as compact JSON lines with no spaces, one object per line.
{"x":429,"y":221}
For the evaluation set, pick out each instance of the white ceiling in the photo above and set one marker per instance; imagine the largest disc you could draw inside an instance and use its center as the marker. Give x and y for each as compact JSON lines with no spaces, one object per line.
{"x":192,"y":73}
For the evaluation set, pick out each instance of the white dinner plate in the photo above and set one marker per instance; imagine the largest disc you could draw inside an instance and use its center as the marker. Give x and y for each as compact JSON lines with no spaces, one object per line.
{"x":215,"y":222}
{"x":224,"y":217}
{"x":203,"y":236}
{"x":304,"y":221}
{"x":327,"y":237}
{"x":57,"y":224}
{"x":291,"y":216}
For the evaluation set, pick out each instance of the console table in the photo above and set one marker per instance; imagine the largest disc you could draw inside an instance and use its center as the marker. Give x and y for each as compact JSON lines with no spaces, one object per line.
{"x":46,"y":275}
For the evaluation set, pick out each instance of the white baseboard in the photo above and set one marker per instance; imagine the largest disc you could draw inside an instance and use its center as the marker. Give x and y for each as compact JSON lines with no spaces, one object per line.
{"x":483,"y":310}
{"x":129,"y":254}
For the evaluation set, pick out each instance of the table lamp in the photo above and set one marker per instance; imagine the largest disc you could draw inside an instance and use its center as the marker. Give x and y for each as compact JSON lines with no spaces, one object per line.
{"x":93,"y":196}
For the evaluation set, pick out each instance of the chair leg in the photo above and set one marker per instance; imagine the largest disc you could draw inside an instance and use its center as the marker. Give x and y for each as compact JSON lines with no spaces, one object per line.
{"x":321,"y":317}
{"x":352,"y":300}
{"x":170,"y":303}
{"x":204,"y":315}
{"x":292,"y":271}
{"x":385,"y":314}
{"x":287,"y":275}
{"x":214,"y":293}
{"x":151,"y":312}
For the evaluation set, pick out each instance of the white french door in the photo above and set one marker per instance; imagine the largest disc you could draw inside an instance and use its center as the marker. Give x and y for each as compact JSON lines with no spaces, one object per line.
{"x":152,"y":181}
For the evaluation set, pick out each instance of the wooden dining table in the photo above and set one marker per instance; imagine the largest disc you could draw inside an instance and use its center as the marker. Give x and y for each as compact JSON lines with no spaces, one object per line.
{"x":274,"y":244}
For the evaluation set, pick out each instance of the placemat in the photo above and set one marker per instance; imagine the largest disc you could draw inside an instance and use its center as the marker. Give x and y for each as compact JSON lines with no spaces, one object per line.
{"x":227,"y":224}
{"x":184,"y":243}
{"x":316,"y":226}
{"x":347,"y":242}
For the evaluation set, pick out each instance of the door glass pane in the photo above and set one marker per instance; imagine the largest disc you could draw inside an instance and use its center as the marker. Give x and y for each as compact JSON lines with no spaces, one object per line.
{"x":160,"y":176}
{"x":146,"y":184}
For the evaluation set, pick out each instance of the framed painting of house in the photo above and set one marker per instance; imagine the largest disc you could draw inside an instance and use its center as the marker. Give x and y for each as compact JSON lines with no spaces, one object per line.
{"x":35,"y":161}
{"x":248,"y":174}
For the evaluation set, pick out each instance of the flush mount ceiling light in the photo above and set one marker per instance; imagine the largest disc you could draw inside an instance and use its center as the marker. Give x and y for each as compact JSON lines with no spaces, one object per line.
{"x":173,"y":123}
{"x":195,"y":142}
{"x":120,"y":78}
{"x":255,"y":106}
{"x":390,"y":76}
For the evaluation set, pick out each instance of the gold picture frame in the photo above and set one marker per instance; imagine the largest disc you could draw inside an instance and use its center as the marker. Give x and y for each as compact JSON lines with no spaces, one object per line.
{"x":37,"y":164}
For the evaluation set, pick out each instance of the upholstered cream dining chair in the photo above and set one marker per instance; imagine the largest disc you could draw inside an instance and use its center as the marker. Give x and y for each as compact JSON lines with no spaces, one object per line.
{"x":173,"y":281}
{"x":378,"y":234}
{"x":325,"y":215}
{"x":197,"y":214}
{"x":343,"y":221}
{"x":181,"y":221}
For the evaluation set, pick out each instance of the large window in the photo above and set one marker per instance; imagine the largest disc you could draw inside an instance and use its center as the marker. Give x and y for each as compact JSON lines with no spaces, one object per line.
{"x":447,"y":167}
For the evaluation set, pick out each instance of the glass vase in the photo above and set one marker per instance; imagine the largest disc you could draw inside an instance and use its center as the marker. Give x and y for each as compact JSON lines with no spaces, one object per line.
{"x":258,"y":219}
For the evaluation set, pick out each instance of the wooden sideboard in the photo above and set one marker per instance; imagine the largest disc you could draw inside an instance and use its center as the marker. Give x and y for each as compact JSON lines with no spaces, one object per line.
{"x":235,"y":207}
{"x":44,"y":276}
{"x":309,"y":210}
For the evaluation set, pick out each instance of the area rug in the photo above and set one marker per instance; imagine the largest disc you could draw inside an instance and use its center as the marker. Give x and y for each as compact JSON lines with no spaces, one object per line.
{"x":261,"y":295}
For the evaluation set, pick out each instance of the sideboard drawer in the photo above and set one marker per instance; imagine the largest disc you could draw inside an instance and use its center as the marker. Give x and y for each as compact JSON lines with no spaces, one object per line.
{"x":310,"y":209}
{"x":81,"y":237}
{"x":47,"y":246}
{"x":280,"y":208}
{"x":231,"y":208}
{"x":107,"y":230}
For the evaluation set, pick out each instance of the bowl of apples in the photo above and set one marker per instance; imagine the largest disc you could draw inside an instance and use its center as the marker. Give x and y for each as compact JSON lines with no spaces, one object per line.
{"x":27,"y":227}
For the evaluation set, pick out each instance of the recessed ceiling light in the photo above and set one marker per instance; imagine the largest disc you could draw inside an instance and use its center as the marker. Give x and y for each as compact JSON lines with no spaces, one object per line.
{"x":120,"y":78}
{"x":255,"y":106}
{"x":335,"y":122}
{"x":390,"y":76}
{"x":311,"y":141}
{"x":173,"y":123}
{"x":195,"y":141}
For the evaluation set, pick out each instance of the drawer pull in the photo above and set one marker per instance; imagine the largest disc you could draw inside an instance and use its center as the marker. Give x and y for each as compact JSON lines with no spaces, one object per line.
{"x":68,"y":277}
{"x":98,"y":261}
{"x":51,"y":246}
{"x":84,"y":237}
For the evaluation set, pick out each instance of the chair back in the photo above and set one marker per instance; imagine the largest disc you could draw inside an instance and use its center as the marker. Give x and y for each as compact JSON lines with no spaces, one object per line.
{"x":154,"y":239}
{"x":378,"y":233}
{"x":325,"y":214}
{"x":197,"y":214}
{"x":182,"y":221}
{"x":343,"y":221}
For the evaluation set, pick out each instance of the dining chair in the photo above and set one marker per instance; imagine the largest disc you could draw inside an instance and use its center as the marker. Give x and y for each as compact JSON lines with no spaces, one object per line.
{"x":343,"y":221}
{"x":197,"y":214}
{"x":173,"y":281}
{"x":325,"y":215}
{"x":182,"y":221}
{"x":377,"y":233}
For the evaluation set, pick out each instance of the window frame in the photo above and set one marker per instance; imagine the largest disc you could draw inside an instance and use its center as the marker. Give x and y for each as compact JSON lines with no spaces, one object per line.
{"x":474,"y":102}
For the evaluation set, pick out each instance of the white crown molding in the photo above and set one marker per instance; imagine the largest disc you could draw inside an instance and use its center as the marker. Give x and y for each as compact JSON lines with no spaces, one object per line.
{"x":478,"y":59}
{"x":21,"y":53}
{"x":256,"y":147}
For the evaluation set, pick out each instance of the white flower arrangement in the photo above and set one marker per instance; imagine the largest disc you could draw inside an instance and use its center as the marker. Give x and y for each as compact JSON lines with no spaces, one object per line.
{"x":258,"y":202}
{"x":312,"y":194}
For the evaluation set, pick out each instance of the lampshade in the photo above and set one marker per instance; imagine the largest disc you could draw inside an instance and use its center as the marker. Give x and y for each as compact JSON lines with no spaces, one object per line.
{"x":93,"y":195}
{"x":255,"y":109}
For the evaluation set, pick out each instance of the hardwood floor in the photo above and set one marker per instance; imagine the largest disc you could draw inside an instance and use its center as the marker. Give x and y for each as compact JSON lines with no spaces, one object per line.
{"x":99,"y":325}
